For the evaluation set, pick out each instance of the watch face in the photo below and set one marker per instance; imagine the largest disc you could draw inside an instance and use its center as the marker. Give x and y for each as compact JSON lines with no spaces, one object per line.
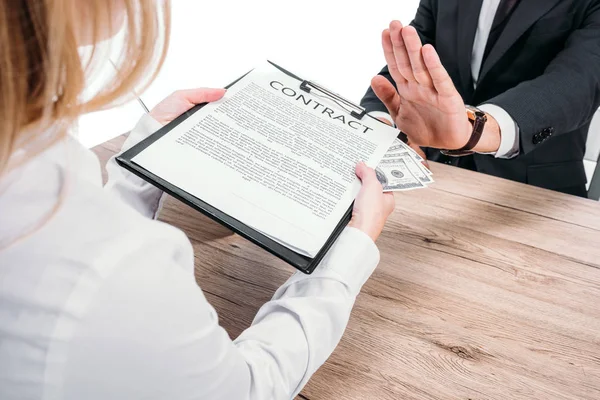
{"x":474,"y":113}
{"x":471,"y":114}
{"x":477,"y":118}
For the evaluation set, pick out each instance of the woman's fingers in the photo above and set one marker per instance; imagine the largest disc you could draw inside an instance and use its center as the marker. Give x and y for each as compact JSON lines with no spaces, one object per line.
{"x":389,"y":203}
{"x":181,"y":101}
{"x":199,"y":96}
{"x":366,"y":175}
{"x":371,"y":207}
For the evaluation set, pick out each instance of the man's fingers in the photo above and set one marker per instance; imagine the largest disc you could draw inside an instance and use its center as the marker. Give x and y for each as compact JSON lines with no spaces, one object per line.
{"x":386,"y":121}
{"x":400,"y":52}
{"x":388,"y":52}
{"x":412,"y":42}
{"x":441,"y":80}
{"x":421,"y":153}
{"x":199,"y":96}
{"x":386,"y":92}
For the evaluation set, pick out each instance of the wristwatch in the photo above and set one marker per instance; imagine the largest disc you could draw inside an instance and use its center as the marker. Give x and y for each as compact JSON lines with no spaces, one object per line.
{"x":478,"y":120}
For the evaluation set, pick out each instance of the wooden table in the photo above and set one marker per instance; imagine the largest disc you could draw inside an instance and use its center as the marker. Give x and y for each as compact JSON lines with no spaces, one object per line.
{"x":487,"y":289}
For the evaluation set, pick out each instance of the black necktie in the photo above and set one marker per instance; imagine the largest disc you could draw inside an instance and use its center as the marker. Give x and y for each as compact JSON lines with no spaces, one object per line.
{"x":505,"y":9}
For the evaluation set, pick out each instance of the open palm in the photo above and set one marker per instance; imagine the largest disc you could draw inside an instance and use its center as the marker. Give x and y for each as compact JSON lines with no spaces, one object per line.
{"x":426,"y":105}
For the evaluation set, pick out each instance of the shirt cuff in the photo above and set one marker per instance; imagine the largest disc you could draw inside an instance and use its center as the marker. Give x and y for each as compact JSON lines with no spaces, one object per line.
{"x":139,"y":194}
{"x":143,"y":129}
{"x":509,"y":131}
{"x":383,"y":115}
{"x":351,"y":260}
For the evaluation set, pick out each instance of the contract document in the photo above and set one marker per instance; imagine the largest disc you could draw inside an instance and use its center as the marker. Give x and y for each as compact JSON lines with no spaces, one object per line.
{"x":277,"y":154}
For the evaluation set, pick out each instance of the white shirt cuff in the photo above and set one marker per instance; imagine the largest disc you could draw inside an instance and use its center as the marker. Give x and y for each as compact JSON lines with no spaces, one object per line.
{"x":131,"y":189}
{"x":351,"y":260}
{"x":383,"y":115}
{"x":509,"y":131}
{"x":145,"y":127}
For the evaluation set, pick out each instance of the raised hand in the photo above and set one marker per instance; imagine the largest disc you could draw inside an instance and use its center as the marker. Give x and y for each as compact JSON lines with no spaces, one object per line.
{"x":426,"y":106}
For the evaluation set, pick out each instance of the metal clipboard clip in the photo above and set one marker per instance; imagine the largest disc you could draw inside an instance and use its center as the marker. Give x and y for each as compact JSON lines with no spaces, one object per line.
{"x":356,"y":111}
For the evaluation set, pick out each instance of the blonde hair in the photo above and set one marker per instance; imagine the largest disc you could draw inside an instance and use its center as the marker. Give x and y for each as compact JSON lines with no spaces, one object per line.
{"x":43,"y":76}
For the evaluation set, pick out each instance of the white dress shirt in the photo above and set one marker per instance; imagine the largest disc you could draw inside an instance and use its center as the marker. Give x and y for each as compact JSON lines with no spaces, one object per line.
{"x":509,"y":140}
{"x":98,"y":300}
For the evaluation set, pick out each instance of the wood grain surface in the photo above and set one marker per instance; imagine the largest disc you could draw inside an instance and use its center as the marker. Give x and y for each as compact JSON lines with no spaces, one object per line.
{"x":487,"y":289}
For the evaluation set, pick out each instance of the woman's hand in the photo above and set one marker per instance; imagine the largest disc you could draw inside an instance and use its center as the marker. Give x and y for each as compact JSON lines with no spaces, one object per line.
{"x":372,"y":207}
{"x":181,"y":101}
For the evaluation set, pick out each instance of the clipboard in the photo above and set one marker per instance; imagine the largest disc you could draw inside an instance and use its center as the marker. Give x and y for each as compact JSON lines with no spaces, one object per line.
{"x":301,"y":262}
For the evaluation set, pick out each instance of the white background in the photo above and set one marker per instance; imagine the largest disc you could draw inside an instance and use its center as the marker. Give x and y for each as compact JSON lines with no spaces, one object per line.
{"x":334,"y":42}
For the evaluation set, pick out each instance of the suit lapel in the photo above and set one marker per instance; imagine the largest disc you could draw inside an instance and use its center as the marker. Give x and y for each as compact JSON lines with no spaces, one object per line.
{"x":524,"y":16}
{"x":468,"y":19}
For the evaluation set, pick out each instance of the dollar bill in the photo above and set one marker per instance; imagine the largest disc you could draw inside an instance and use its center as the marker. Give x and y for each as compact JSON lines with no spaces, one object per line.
{"x":417,"y":157}
{"x":418,"y":164}
{"x":399,"y":146}
{"x":416,"y":168}
{"x":395,"y":175}
{"x":399,"y":150}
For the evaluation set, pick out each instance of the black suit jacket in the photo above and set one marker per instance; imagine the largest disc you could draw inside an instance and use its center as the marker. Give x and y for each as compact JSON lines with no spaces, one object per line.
{"x":544,"y":71}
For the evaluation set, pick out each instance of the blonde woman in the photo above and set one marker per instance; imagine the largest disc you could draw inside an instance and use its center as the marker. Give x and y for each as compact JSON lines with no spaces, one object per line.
{"x":97,"y":299}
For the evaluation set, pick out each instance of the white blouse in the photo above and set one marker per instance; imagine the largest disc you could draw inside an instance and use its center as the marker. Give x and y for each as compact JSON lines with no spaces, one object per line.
{"x":100,"y":301}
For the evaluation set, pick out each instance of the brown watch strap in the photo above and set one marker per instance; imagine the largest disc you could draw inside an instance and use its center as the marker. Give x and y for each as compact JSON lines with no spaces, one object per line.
{"x":478,"y":120}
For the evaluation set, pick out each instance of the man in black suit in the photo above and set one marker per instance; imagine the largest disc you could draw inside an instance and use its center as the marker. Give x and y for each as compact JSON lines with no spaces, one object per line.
{"x":531,"y":67}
